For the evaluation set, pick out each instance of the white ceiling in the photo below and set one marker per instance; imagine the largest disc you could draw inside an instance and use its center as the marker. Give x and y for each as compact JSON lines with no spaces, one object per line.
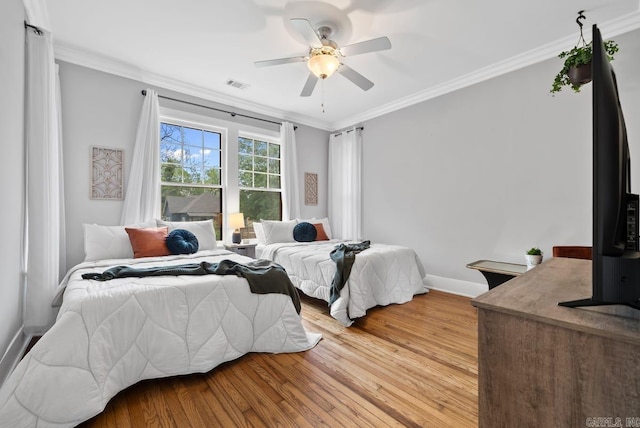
{"x":195,"y":46}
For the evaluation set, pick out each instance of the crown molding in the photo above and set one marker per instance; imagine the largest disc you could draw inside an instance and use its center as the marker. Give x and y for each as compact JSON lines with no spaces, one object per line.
{"x":612,"y":28}
{"x":75,"y":55}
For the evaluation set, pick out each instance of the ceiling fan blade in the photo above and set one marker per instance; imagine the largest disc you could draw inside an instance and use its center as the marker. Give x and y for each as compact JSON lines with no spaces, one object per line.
{"x":305,"y":29}
{"x":373,"y":45}
{"x":279,"y":61}
{"x":357,"y":78}
{"x":309,"y":85}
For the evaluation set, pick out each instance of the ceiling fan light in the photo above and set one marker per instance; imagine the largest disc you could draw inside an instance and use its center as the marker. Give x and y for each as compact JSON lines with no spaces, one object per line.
{"x":323,"y":65}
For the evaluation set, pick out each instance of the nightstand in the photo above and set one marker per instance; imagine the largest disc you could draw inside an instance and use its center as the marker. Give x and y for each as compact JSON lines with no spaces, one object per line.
{"x":248,"y":250}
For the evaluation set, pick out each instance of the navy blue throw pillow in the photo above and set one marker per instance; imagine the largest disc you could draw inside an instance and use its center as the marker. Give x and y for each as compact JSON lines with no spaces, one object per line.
{"x":304,"y":232}
{"x":181,"y":241}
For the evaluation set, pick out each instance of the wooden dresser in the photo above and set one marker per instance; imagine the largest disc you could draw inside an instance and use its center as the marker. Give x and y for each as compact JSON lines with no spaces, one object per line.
{"x":544,"y":365}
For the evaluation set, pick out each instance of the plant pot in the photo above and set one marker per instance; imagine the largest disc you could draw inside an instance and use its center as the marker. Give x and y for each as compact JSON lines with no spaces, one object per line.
{"x":580,"y":75}
{"x":533,"y":261}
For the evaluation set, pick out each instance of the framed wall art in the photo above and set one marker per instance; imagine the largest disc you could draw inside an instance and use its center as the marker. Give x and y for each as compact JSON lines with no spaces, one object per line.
{"x":310,"y":188}
{"x":107,"y":173}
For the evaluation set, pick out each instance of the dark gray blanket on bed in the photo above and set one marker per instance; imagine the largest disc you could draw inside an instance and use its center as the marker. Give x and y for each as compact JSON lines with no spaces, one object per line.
{"x":344,"y":255}
{"x":263,"y":276}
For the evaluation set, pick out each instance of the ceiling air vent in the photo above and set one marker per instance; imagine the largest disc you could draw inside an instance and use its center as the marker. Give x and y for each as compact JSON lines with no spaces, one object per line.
{"x":236,"y":84}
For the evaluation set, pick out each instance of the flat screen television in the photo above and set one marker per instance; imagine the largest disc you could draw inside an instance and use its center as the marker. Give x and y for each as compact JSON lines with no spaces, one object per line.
{"x":616,"y":269}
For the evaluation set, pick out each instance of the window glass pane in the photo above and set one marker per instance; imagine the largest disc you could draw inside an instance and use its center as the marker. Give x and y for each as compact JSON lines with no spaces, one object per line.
{"x":274,"y":150}
{"x":260,"y":164}
{"x":193,"y":174}
{"x":245,"y":162}
{"x":246,"y":179}
{"x":260,"y":181}
{"x":192,"y":136}
{"x":261,"y":148}
{"x":192,"y":155}
{"x":212,"y":140}
{"x":183,"y":203}
{"x":274,"y":181}
{"x":212,"y":176}
{"x":256,"y":205}
{"x":171,"y":173}
{"x":274,"y":166}
{"x":170,"y":133}
{"x":245,"y":146}
{"x":212,"y":158}
{"x":170,"y":152}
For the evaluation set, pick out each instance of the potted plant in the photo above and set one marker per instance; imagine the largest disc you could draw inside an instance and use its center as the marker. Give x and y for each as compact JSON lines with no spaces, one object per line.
{"x":576,"y":70}
{"x":534,"y":257}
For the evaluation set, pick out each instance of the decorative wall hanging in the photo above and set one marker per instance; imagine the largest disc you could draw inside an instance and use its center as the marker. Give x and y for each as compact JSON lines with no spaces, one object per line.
{"x":107,"y":173}
{"x":310,"y":188}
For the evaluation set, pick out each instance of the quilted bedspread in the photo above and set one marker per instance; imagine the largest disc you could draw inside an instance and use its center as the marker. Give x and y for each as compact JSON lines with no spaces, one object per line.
{"x":110,"y":335}
{"x":381,"y":275}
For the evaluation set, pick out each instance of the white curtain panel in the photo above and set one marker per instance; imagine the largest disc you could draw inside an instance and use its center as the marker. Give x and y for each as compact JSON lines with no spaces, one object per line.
{"x":44,"y":245}
{"x":290,"y":188}
{"x":345,"y":187}
{"x":142,"y":199}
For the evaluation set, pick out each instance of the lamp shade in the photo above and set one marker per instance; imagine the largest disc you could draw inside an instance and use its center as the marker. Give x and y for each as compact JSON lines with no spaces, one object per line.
{"x":236,"y":220}
{"x":323,"y":65}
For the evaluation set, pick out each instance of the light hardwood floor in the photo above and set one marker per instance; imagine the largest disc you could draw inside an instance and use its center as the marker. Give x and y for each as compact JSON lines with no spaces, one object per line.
{"x":411,"y":365}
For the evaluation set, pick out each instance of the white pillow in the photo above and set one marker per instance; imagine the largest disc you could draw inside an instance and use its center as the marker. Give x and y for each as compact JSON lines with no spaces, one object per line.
{"x":259,"y":230}
{"x":324,"y":221}
{"x":203,"y":230}
{"x":278,"y":231}
{"x":109,"y":242}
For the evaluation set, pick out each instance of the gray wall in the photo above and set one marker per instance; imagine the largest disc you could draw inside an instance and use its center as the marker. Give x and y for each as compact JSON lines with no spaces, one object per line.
{"x":101,"y":109}
{"x":490,"y":170}
{"x":12,"y":171}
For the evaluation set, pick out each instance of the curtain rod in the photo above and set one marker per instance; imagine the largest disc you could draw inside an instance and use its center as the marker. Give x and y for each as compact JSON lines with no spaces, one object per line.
{"x":359,"y":128}
{"x":36,"y":29}
{"x":232,"y":113}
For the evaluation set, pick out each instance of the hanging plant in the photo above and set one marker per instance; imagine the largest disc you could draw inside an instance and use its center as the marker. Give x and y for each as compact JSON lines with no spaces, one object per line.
{"x":576,"y":70}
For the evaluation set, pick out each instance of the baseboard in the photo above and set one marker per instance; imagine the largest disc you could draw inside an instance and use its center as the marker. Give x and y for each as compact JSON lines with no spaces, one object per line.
{"x":456,"y":286}
{"x":13,"y":355}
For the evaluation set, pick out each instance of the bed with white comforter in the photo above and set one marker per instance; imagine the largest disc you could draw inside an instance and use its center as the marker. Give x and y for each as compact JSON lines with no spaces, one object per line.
{"x":381,"y":275}
{"x":110,"y":335}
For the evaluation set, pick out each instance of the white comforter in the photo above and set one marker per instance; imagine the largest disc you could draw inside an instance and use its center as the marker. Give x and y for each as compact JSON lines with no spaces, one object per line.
{"x":381,"y":275}
{"x":110,"y":335}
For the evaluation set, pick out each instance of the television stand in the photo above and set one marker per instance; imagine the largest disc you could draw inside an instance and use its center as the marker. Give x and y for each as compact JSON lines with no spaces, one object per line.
{"x":545,"y":365}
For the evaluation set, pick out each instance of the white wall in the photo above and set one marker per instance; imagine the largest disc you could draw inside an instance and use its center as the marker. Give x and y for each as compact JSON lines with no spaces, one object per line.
{"x":490,"y":170}
{"x":11,"y":176}
{"x":100,"y":109}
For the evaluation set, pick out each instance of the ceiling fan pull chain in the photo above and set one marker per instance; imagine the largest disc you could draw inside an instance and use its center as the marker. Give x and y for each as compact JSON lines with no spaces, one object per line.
{"x":322,"y":100}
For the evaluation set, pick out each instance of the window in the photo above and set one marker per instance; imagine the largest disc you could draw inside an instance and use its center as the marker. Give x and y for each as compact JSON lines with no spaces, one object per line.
{"x":190,"y":174}
{"x":259,"y":181}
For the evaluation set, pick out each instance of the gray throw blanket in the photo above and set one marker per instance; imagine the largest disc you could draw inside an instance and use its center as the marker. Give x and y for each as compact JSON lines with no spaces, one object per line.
{"x":263,"y":276}
{"x":344,"y":255}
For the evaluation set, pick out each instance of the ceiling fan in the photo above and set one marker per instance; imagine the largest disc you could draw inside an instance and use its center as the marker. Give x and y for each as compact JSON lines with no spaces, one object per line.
{"x":324,"y":56}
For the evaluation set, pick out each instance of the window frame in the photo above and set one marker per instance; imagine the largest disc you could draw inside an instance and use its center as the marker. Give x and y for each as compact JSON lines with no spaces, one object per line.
{"x":230,"y":131}
{"x":186,"y":119}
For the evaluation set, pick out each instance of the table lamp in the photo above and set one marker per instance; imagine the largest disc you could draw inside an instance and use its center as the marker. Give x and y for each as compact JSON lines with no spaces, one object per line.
{"x":236,"y":221}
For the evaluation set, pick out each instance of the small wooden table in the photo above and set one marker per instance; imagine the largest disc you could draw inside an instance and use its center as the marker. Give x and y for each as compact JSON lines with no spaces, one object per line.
{"x":497,"y":272}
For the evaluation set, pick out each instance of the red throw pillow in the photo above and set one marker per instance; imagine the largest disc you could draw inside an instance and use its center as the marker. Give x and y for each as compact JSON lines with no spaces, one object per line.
{"x":148,"y":242}
{"x":321,"y":235}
